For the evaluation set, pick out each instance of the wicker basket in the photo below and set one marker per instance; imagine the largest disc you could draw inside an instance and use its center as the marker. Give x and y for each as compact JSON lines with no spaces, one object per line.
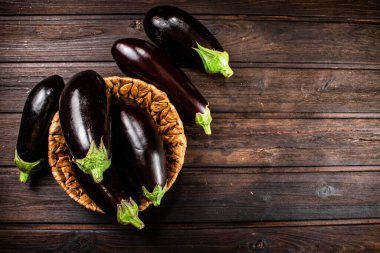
{"x":169,"y":126}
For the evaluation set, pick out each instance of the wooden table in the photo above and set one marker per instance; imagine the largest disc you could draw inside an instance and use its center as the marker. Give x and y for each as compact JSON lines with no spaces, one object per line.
{"x":293,"y":164}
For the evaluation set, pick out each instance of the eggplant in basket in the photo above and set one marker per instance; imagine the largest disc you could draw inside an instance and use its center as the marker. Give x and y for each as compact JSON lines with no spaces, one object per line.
{"x":138,"y":143}
{"x":84,"y":110}
{"x":112,"y":195}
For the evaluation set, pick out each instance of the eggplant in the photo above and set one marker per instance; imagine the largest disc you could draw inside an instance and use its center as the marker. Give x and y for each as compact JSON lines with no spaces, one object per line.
{"x":112,"y":195}
{"x":141,"y":147}
{"x":84,"y":111}
{"x":32,"y":141}
{"x":144,"y":60}
{"x":186,"y":39}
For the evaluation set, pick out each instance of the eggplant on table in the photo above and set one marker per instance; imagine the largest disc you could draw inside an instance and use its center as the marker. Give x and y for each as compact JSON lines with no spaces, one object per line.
{"x":32,"y":141}
{"x":141,"y":147}
{"x":112,"y":195}
{"x":186,"y":39}
{"x":142,"y":59}
{"x":84,"y":110}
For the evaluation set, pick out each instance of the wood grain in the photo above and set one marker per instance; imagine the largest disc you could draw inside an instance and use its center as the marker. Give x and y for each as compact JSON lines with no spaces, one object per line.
{"x":192,"y":238}
{"x":293,"y":164}
{"x":260,"y":90}
{"x":331,"y":8}
{"x":240,"y":140}
{"x":89,"y":38}
{"x":211,"y":195}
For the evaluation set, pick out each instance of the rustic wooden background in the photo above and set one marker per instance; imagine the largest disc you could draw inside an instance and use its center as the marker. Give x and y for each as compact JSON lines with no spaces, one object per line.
{"x":294,"y":160}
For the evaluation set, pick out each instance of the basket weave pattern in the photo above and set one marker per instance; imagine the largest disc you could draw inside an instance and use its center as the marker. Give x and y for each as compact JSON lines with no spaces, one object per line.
{"x":169,"y":126}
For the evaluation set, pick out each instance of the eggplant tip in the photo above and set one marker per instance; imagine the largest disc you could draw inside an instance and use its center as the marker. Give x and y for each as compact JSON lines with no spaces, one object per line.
{"x":214,"y":61}
{"x":96,"y":161}
{"x":97,"y":175}
{"x":227,"y":71}
{"x":207,"y":129}
{"x":24,"y":177}
{"x":156,"y":195}
{"x":127,"y":213}
{"x":26,"y":168}
{"x":204,"y":120}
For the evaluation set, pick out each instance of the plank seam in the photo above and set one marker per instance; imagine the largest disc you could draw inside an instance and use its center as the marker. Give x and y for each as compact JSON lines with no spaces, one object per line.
{"x":208,"y":225}
{"x":220,"y":16}
{"x":233,"y":62}
{"x":13,"y":170}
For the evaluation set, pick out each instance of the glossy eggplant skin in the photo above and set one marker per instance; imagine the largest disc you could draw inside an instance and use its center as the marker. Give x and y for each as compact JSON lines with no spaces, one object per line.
{"x":141,"y":147}
{"x":179,"y":34}
{"x":84,"y":110}
{"x":112,"y":195}
{"x":39,"y":109}
{"x":144,"y":60}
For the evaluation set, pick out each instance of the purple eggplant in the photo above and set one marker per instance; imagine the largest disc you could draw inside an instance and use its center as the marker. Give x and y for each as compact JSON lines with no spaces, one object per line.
{"x":144,"y":60}
{"x":186,"y":39}
{"x":32,"y":141}
{"x":141,"y":147}
{"x":84,"y":116}
{"x":112,"y":195}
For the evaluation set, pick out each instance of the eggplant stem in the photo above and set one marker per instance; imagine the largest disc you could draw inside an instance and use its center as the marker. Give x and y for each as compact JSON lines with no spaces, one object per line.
{"x":27,"y":168}
{"x":214,"y":61}
{"x":96,"y":161}
{"x":204,"y":120}
{"x":127,"y":213}
{"x":156,"y":195}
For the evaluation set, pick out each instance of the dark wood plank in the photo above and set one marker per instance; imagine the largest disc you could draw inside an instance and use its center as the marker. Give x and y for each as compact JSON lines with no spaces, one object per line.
{"x":240,"y":140}
{"x":305,"y":65}
{"x":192,"y":238}
{"x":211,"y":195}
{"x":334,"y":8}
{"x":249,"y":90}
{"x":271,"y":113}
{"x":89,"y":38}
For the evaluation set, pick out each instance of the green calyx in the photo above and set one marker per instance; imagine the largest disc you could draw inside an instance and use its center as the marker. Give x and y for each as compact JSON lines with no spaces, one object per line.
{"x":214,"y":61}
{"x":96,"y":161}
{"x":27,"y":168}
{"x":156,"y":195}
{"x":204,"y":120}
{"x":127,"y":213}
